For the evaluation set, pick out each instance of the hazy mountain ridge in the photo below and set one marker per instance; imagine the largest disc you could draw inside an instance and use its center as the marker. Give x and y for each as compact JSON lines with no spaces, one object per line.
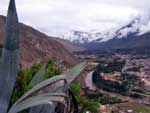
{"x":136,"y":27}
{"x":36,"y":46}
{"x":130,"y":36}
{"x":131,"y":42}
{"x":136,"y":34}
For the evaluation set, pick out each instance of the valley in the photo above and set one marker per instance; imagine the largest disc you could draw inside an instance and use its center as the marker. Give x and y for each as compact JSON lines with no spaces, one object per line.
{"x":115,"y":78}
{"x":80,"y":57}
{"x":123,"y":75}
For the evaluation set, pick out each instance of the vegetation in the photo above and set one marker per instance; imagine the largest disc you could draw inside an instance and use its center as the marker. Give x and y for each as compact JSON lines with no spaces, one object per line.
{"x":114,"y":66}
{"x":108,"y":100}
{"x":51,"y":70}
{"x":103,"y":99}
{"x":84,"y":102}
{"x":108,"y":85}
{"x":110,"y":67}
{"x":134,"y":69}
{"x":32,"y":98}
{"x":90,"y":101}
{"x":24,"y":77}
{"x":128,"y":82}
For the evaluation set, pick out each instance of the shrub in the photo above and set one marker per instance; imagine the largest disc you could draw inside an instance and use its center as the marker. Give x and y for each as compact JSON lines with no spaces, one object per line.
{"x":85,"y":103}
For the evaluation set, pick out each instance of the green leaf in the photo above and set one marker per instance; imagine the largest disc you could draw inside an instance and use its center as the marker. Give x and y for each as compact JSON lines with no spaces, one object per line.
{"x":40,"y":86}
{"x":74,"y":72}
{"x":26,"y":101}
{"x":38,"y":77}
{"x":39,"y":100}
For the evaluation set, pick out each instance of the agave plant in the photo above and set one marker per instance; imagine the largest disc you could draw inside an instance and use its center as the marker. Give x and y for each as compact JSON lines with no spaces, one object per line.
{"x":47,"y":95}
{"x":10,"y":58}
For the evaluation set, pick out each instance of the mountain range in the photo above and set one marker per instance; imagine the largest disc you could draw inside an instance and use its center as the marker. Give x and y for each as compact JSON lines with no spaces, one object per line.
{"x":36,"y":46}
{"x":135,"y":34}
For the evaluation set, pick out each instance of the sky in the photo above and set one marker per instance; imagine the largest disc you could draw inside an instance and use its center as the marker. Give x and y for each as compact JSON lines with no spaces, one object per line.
{"x":57,"y":17}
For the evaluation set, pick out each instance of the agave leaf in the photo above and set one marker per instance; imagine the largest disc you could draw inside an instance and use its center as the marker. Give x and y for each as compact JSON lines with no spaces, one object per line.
{"x":74,"y":72}
{"x":74,"y":101}
{"x":71,"y":75}
{"x":40,"y":86}
{"x":39,"y":100}
{"x":10,"y":57}
{"x":57,"y":87}
{"x":38,"y":77}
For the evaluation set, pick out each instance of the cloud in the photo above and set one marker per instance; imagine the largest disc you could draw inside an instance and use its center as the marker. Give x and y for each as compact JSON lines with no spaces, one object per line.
{"x":139,"y":25}
{"x":57,"y":17}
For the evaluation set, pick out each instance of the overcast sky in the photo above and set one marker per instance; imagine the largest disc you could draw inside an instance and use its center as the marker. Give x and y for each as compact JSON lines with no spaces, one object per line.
{"x":57,"y":17}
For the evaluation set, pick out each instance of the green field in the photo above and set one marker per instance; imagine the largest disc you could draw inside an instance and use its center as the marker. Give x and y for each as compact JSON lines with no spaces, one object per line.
{"x":136,"y":107}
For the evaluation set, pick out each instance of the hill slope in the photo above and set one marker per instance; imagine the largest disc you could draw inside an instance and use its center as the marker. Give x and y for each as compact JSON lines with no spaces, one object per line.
{"x":36,"y":46}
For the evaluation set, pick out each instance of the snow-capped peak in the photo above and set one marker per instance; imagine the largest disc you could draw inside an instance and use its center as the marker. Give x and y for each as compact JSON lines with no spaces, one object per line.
{"x":137,"y":26}
{"x":81,"y":37}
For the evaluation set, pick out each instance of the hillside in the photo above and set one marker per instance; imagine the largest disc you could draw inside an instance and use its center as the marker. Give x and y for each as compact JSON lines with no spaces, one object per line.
{"x":36,"y":46}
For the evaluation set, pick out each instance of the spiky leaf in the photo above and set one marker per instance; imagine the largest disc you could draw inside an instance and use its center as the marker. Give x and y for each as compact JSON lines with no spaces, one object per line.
{"x":38,"y":100}
{"x":38,"y":77}
{"x":10,"y":57}
{"x":41,"y":85}
{"x":74,"y":72}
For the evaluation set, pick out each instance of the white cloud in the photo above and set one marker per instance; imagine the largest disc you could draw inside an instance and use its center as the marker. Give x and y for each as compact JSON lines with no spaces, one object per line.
{"x":57,"y":17}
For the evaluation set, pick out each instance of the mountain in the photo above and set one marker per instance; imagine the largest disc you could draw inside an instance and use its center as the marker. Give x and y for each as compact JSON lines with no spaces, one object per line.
{"x":81,"y":37}
{"x":135,"y":34}
{"x":139,"y":25}
{"x":36,"y":46}
{"x":132,"y":41}
{"x":71,"y":47}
